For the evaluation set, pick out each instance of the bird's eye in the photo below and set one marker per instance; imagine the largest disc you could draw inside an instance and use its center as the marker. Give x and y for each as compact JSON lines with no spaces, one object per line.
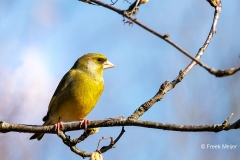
{"x":100,"y":59}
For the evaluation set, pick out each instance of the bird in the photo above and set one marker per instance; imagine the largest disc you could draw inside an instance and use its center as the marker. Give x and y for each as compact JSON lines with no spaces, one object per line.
{"x":77,"y":93}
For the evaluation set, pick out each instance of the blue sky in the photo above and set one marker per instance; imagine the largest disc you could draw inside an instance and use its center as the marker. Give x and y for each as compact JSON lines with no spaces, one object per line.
{"x":41,"y":40}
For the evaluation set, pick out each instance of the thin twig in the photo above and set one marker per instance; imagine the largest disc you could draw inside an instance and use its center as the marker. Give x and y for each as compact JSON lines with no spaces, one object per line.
{"x":206,"y":43}
{"x":111,"y":145}
{"x":224,"y":124}
{"x":72,"y":145}
{"x":112,"y":141}
{"x":67,"y":141}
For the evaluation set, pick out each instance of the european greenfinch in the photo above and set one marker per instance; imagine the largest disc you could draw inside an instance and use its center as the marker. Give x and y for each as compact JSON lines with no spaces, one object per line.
{"x":78,"y":91}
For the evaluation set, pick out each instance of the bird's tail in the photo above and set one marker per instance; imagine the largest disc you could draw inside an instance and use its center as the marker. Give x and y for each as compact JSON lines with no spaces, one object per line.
{"x":39,"y":136}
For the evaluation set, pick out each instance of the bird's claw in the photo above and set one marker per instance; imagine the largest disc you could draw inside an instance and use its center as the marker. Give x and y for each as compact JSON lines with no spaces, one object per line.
{"x":85,"y":121}
{"x":58,"y":126}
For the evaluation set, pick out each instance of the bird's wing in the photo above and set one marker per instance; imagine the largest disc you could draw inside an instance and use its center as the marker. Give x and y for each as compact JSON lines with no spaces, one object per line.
{"x":64,"y":83}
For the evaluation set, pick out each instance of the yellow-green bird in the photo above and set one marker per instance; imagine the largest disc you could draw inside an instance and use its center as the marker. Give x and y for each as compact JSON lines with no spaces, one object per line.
{"x":78,"y":91}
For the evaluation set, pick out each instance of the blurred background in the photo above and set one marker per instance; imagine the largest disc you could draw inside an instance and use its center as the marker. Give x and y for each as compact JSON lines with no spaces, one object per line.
{"x":41,"y":40}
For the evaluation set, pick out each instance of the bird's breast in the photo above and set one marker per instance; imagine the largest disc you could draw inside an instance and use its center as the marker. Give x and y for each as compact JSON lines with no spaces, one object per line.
{"x":81,"y":99}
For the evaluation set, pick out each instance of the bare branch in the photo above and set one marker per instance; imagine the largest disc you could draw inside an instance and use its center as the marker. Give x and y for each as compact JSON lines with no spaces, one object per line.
{"x":72,"y":143}
{"x":104,"y":139}
{"x":10,"y":127}
{"x":217,"y":73}
{"x":169,"y":86}
{"x":224,"y":73}
{"x":206,"y":43}
{"x":111,"y":145}
{"x":148,"y":29}
{"x":67,"y":141}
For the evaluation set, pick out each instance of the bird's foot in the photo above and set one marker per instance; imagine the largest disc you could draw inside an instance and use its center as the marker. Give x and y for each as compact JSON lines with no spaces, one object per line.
{"x":85,"y":121}
{"x":58,"y":126}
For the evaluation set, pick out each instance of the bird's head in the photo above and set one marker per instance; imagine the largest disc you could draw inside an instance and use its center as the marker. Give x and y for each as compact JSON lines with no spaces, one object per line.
{"x":93,"y":63}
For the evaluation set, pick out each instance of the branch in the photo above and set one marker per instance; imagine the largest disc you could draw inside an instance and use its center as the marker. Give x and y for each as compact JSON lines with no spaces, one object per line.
{"x":217,"y":73}
{"x":11,"y":127}
{"x":72,"y":143}
{"x":165,"y":87}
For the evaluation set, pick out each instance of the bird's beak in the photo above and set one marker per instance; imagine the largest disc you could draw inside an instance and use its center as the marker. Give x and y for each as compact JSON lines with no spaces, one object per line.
{"x":107,"y":65}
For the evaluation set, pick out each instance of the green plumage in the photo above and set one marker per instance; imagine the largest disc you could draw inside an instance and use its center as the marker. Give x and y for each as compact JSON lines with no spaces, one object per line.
{"x":78,"y":91}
